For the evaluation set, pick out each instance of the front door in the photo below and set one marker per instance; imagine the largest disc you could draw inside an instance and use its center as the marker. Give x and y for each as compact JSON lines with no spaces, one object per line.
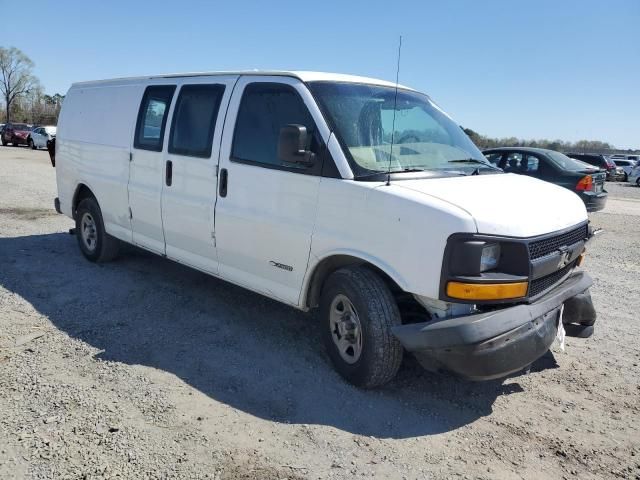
{"x":266,"y":209}
{"x":146,"y":168}
{"x":190,"y":179}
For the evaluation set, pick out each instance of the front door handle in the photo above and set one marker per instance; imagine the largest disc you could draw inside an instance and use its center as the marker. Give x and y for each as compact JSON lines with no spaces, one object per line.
{"x":223,"y":182}
{"x":168,"y":173}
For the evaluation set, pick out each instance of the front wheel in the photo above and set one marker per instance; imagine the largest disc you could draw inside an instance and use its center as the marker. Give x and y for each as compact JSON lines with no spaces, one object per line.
{"x":32,"y":145}
{"x":95,"y":243}
{"x":358,"y":312}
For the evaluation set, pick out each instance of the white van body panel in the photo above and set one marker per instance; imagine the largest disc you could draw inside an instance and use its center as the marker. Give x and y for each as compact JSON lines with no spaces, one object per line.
{"x":93,"y":145}
{"x":510,"y":205}
{"x":268,"y":215}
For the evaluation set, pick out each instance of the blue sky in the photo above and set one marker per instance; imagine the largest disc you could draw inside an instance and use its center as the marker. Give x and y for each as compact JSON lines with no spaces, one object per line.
{"x":531,"y":69}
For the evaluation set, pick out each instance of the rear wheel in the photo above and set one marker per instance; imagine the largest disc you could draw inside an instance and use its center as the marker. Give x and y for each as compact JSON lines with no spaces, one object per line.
{"x":95,"y":243}
{"x":358,"y":312}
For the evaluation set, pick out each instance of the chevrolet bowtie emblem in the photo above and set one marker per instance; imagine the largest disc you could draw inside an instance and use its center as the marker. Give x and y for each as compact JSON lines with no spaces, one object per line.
{"x":565,"y":255}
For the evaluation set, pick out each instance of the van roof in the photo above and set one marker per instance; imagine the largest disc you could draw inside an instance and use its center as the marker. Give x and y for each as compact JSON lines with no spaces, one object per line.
{"x":301,"y":75}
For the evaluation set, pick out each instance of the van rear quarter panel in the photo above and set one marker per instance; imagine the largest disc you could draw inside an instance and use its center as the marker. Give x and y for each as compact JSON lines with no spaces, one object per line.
{"x":94,"y":139}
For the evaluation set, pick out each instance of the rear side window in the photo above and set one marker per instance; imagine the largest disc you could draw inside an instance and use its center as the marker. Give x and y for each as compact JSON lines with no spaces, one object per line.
{"x":152,"y":117}
{"x":266,"y":108}
{"x":194,"y":120}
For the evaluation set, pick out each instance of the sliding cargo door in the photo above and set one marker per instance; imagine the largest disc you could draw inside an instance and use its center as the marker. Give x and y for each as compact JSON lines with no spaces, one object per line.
{"x":146,"y":168}
{"x":190,"y":181}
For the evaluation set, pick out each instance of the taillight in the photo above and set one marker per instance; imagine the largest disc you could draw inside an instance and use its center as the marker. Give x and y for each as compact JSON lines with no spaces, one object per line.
{"x":585,"y":183}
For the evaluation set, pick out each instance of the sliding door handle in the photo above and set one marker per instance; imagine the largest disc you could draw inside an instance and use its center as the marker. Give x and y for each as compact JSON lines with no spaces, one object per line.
{"x":224,"y":175}
{"x":168,"y":173}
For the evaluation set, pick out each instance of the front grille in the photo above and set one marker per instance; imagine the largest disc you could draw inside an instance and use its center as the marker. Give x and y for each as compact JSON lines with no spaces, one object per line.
{"x":543,"y":247}
{"x":541,"y":284}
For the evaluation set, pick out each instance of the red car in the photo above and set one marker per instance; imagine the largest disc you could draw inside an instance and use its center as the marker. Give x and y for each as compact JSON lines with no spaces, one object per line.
{"x":16,"y":134}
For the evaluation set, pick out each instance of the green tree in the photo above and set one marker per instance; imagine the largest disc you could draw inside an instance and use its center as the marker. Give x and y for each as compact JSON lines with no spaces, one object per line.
{"x":16,"y":77}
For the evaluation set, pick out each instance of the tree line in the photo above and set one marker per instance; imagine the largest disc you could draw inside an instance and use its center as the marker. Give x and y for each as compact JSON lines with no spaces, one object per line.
{"x":581,"y":146}
{"x":22,"y":93}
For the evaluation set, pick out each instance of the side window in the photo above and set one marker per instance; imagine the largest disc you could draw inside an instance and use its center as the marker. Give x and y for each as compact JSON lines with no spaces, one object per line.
{"x":194,"y":120}
{"x":512,"y":164}
{"x":531,"y":164}
{"x":152,"y":117}
{"x":266,"y":108}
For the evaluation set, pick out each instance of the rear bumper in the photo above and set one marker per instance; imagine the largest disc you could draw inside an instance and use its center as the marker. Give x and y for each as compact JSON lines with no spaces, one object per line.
{"x":594,"y":201}
{"x":493,"y":344}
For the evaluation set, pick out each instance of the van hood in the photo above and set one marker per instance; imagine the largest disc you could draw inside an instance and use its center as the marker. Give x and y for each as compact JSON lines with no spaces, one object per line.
{"x":506,"y":204}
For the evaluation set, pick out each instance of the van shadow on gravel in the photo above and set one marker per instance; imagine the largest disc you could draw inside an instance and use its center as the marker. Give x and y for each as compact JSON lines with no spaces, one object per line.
{"x":235,"y":346}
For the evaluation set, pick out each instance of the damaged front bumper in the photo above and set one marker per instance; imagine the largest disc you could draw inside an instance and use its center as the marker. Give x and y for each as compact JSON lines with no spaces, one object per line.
{"x":494,"y":344}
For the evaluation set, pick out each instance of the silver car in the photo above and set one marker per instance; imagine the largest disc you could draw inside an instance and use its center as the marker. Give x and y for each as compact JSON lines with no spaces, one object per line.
{"x":634,"y":176}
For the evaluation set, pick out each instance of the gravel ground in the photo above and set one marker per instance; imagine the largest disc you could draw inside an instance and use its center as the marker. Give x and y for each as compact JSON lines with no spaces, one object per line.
{"x":142,"y":368}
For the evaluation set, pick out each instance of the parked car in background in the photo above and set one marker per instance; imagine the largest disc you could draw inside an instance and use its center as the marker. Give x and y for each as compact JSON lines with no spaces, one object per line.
{"x":585,"y":180}
{"x":16,"y":134}
{"x":634,"y":158}
{"x":626,"y":166}
{"x":599,"y":160}
{"x":40,"y":135}
{"x":634,"y":176}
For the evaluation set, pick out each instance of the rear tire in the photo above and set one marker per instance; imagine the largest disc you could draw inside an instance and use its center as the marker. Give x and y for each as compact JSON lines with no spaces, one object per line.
{"x":94,"y":242}
{"x":358,"y":312}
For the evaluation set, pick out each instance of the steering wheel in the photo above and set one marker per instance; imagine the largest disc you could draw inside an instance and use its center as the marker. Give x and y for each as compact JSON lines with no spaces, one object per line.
{"x":409,"y":137}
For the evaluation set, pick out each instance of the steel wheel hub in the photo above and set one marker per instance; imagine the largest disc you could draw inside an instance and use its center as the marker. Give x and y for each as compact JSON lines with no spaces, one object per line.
{"x":346,"y":330}
{"x":88,"y":231}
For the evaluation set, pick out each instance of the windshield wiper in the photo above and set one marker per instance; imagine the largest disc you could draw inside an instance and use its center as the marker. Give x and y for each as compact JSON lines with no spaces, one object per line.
{"x":476,"y":162}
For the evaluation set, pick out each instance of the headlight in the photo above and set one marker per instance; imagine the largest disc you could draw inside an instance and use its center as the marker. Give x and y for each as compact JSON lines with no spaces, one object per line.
{"x":490,"y":257}
{"x":473,"y":257}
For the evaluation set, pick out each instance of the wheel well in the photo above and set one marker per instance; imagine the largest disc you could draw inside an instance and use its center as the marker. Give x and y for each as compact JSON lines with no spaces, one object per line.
{"x":329,"y":265}
{"x":82,"y":192}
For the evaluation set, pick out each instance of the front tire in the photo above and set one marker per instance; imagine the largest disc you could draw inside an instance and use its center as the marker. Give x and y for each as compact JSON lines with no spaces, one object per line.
{"x":94,"y":242}
{"x":358,"y":312}
{"x":32,"y":145}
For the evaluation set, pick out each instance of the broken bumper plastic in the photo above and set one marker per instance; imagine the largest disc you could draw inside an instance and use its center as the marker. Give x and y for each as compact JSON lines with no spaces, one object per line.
{"x":494,"y":344}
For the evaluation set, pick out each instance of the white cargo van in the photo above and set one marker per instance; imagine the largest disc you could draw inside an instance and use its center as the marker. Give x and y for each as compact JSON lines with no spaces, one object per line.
{"x":350,"y":194}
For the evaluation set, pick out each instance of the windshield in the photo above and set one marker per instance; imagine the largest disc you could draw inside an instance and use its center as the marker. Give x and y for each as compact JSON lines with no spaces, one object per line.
{"x":568,"y":163}
{"x":21,"y":126}
{"x":424,"y":138}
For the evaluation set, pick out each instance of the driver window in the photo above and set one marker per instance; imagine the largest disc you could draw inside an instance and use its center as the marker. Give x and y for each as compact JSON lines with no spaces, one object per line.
{"x":264,"y":109}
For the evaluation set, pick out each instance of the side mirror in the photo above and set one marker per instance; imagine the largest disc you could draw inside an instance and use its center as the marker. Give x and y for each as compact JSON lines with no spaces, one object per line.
{"x":292,"y":145}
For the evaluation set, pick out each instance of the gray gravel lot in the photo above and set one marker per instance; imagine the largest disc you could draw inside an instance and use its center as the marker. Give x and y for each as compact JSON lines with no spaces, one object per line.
{"x":142,"y":368}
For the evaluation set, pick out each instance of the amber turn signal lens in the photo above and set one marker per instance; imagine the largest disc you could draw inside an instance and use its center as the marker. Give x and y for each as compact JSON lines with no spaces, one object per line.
{"x":486,"y":291}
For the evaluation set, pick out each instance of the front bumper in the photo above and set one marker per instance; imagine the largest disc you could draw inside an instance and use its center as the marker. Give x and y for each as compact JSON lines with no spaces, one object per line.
{"x":493,"y":344}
